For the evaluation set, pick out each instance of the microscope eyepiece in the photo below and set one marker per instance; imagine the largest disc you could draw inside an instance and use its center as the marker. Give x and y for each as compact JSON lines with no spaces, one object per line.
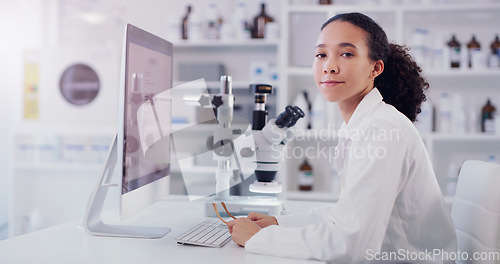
{"x":289,"y":117}
{"x":299,"y":114}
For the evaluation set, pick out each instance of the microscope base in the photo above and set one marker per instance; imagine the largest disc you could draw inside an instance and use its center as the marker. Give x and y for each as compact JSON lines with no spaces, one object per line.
{"x":243,"y":205}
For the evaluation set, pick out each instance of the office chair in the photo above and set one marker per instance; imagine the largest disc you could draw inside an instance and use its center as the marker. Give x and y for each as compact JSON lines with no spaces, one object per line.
{"x":476,"y":210}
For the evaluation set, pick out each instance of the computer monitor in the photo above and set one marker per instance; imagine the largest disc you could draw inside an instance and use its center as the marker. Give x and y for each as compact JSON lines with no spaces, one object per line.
{"x":141,"y":147}
{"x":144,"y":120}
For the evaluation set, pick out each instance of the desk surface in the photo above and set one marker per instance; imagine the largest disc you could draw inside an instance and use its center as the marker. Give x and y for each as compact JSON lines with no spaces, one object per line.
{"x":70,"y":243}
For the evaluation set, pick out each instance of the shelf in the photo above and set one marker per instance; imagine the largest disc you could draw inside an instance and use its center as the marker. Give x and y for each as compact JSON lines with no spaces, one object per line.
{"x":226,"y":44}
{"x":36,"y":127}
{"x":51,"y":166}
{"x":461,"y":137}
{"x":451,"y":8}
{"x":208,"y":128}
{"x":340,"y":8}
{"x":197,"y":170}
{"x":195,"y":127}
{"x":393,"y":8}
{"x":205,"y":170}
{"x":311,"y":196}
{"x":463,"y":73}
{"x":238,"y":85}
{"x":300,"y":71}
{"x":307,"y":71}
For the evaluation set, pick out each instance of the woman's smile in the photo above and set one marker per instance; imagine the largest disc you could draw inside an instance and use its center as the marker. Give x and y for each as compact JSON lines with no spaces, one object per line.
{"x":331,"y":83}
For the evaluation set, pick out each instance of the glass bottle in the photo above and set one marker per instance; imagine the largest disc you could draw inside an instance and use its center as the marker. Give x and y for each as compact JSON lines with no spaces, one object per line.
{"x":473,"y":48}
{"x":185,"y":23}
{"x":240,"y":23}
{"x":259,"y":22}
{"x":212,"y":23}
{"x":487,"y":117}
{"x":325,"y":2}
{"x":495,"y":46}
{"x":455,"y":55}
{"x":306,"y":179}
{"x":494,"y":58}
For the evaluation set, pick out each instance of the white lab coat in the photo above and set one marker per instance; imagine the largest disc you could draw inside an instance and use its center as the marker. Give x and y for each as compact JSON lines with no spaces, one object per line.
{"x":390,"y":200}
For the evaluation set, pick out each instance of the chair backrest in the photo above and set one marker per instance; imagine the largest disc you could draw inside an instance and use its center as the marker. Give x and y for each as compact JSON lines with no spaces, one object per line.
{"x":476,"y":211}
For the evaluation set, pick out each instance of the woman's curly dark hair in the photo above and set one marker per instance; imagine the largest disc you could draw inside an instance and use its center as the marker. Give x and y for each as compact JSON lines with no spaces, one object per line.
{"x":400,"y":84}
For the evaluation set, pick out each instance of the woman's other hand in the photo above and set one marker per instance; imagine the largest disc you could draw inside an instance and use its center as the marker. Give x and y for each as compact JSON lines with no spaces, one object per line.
{"x":242,"y":229}
{"x":262,"y":220}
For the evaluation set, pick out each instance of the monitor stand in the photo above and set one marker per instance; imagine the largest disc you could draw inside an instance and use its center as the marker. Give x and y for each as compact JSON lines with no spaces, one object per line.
{"x":93,"y":222}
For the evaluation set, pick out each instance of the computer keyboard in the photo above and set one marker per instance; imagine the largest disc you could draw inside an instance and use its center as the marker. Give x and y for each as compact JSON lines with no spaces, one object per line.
{"x":209,"y":233}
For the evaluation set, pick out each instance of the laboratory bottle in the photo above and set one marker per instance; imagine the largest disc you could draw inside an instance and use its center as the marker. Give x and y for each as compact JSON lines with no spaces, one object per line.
{"x":260,"y":21}
{"x":302,"y":103}
{"x":494,"y":58}
{"x":459,"y":115}
{"x":185,"y":23}
{"x":212,"y":23}
{"x":472,"y":120}
{"x":438,"y":52}
{"x":240,"y":24}
{"x":454,"y":52}
{"x":497,"y":122}
{"x":445,"y":113}
{"x":195,"y":26}
{"x":318,"y":114}
{"x":473,"y":50}
{"x":306,"y":179}
{"x":174,"y":27}
{"x":487,"y":117}
{"x":419,"y":47}
{"x":425,"y":119}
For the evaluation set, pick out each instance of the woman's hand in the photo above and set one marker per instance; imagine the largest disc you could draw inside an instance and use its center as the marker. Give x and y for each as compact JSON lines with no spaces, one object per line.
{"x":262,"y":220}
{"x":242,"y":229}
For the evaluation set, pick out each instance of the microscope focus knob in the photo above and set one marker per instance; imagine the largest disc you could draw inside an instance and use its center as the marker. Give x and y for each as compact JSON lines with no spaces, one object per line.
{"x":223,"y":148}
{"x":246,"y":152}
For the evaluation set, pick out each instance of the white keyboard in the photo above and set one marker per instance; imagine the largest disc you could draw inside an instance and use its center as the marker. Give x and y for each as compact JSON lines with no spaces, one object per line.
{"x":209,"y":233}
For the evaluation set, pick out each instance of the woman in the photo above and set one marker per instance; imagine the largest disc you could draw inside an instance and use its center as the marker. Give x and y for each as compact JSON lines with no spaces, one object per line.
{"x":390,"y":203}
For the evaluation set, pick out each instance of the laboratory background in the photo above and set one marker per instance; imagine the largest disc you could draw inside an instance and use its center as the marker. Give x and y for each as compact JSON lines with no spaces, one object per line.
{"x":60,"y":69}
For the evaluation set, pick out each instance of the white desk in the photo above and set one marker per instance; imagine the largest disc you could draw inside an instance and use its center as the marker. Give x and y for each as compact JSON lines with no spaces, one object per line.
{"x":70,"y":244}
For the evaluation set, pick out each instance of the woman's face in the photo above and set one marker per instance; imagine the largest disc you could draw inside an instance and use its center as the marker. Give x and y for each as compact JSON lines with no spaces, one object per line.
{"x":342,"y":69}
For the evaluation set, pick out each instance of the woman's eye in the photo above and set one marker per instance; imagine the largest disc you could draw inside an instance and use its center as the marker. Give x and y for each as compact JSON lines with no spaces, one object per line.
{"x":347,"y":54}
{"x":320,"y":55}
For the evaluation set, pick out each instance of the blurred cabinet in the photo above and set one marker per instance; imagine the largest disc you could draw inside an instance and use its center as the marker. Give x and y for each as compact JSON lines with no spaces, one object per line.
{"x":54,"y":171}
{"x":300,"y":29}
{"x":58,"y":154}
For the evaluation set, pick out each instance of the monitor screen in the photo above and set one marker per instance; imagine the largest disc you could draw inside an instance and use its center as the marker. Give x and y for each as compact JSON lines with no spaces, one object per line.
{"x":145,"y":119}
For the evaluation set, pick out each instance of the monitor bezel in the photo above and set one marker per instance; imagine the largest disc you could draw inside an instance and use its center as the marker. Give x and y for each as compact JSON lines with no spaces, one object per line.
{"x":134,"y":201}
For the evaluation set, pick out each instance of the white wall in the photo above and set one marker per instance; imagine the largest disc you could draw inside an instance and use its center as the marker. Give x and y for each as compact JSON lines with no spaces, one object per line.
{"x":21,"y":29}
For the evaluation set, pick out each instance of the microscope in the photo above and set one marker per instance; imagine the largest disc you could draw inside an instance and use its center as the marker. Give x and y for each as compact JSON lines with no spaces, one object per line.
{"x":265,"y":151}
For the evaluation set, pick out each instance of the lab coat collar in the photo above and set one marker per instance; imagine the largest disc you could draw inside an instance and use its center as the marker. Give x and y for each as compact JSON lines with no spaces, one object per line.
{"x":366,"y":106}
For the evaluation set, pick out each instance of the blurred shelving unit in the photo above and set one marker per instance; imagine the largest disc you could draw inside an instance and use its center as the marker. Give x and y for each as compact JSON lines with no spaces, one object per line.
{"x":58,"y":165}
{"x":297,"y":43}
